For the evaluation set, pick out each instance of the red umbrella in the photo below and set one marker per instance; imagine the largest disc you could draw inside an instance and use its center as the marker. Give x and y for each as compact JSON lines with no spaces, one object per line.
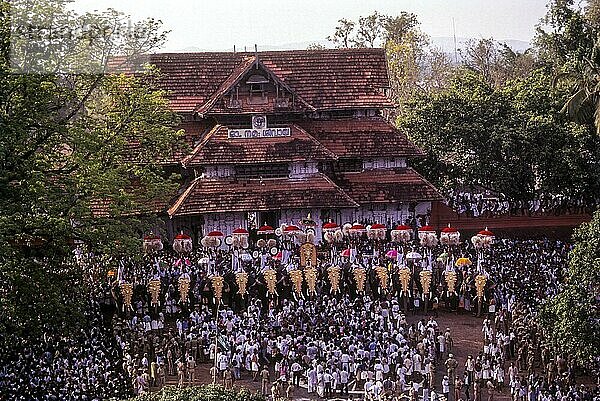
{"x":182,"y":243}
{"x":357,"y":229}
{"x":449,"y":236}
{"x":426,"y":229}
{"x":485,"y":233}
{"x":345,"y":253}
{"x":291,"y":229}
{"x":401,"y":233}
{"x":449,"y":229}
{"x":402,"y":227}
{"x":265,"y":230}
{"x":152,"y":243}
{"x":330,"y":227}
{"x":215,"y":234}
{"x":484,"y":238}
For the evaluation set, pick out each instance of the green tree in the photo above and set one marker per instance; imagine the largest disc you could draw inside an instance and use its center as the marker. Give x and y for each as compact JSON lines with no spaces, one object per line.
{"x":199,"y":393}
{"x":81,"y":152}
{"x":369,"y":30}
{"x":572,"y":318}
{"x":396,"y":28}
{"x":497,"y":62}
{"x":470,"y":136}
{"x":412,"y":67}
{"x":315,"y":46}
{"x":567,"y":39}
{"x":509,"y":139}
{"x":342,"y":37}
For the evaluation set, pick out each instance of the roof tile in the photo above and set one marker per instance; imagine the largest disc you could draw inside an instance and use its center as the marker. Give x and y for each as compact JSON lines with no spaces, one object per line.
{"x":356,"y":138}
{"x":217,"y":148}
{"x":388,"y":185}
{"x":326,"y":79}
{"x":231,"y":195}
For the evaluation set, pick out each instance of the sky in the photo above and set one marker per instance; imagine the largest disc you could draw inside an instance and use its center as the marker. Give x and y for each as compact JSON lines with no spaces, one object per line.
{"x":221,"y":24}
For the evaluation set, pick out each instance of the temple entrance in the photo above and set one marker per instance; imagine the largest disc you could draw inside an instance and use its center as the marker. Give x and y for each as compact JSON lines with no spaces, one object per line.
{"x":270,"y":218}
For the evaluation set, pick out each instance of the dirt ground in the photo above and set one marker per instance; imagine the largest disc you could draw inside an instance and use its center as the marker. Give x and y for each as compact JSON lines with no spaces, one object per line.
{"x":467,"y":338}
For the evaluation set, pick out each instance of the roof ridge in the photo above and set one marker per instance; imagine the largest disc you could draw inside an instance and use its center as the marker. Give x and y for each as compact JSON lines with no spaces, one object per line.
{"x":338,"y":188}
{"x":299,"y":51}
{"x":173,"y":209}
{"x":238,"y":73}
{"x":315,"y":140}
{"x":202,"y":142}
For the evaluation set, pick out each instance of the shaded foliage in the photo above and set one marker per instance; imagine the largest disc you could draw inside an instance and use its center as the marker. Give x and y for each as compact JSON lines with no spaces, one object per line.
{"x":509,"y":139}
{"x":496,"y":61}
{"x":567,"y":39}
{"x":67,"y":174}
{"x":199,"y":393}
{"x":572,"y":318}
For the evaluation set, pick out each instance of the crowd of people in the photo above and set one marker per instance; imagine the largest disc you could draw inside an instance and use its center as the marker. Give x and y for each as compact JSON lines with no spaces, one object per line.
{"x":482,"y":203}
{"x":83,"y":366}
{"x":515,"y":345}
{"x":359,"y":342}
{"x":516,"y":356}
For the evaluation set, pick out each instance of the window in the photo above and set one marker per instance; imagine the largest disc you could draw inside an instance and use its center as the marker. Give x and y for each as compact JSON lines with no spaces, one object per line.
{"x":271,"y":170}
{"x":257,"y":85}
{"x":257,"y":89}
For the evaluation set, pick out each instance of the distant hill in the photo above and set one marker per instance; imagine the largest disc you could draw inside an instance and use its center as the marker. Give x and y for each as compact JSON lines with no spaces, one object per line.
{"x":444,"y":43}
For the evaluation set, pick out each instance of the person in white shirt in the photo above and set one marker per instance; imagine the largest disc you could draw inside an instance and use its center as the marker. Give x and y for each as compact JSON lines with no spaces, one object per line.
{"x":311,"y":379}
{"x":378,"y":371}
{"x":344,"y":377}
{"x":446,"y":386}
{"x":296,"y":373}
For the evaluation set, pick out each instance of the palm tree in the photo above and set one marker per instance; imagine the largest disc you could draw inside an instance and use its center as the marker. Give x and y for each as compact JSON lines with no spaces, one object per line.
{"x":583,"y":106}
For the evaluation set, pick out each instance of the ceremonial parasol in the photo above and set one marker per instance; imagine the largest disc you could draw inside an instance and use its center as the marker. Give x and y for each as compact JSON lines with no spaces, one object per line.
{"x":463,"y":262}
{"x":391,"y":254}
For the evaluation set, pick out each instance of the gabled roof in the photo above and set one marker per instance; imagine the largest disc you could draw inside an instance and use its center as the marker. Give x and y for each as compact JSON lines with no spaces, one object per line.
{"x":358,"y":138}
{"x":236,"y":75}
{"x":388,"y":185}
{"x":211,"y":195}
{"x":325,"y":79}
{"x":217,"y":148}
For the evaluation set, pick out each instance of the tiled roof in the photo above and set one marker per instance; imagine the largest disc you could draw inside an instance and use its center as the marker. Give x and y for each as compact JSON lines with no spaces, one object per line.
{"x":233,"y":77}
{"x":212,"y":104}
{"x":325,"y":79}
{"x":101,"y":208}
{"x":230,"y":195}
{"x":216,"y":148}
{"x":367,"y":137}
{"x":387,"y":185}
{"x":193,"y":132}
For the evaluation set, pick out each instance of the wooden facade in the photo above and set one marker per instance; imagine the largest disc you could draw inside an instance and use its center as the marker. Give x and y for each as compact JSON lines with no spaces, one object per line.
{"x":277,"y":135}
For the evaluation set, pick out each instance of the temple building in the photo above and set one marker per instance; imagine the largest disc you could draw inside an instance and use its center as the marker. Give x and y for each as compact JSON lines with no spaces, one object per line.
{"x":275,"y":136}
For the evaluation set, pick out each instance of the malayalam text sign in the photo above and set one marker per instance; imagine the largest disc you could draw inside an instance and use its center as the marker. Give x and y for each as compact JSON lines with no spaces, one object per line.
{"x":250,"y":133}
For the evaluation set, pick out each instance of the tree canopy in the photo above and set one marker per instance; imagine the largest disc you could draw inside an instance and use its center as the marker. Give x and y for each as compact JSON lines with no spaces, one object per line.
{"x":572,"y":319}
{"x":567,"y":39}
{"x":496,"y":119}
{"x":412,"y":66}
{"x":509,"y":139}
{"x":67,"y":173}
